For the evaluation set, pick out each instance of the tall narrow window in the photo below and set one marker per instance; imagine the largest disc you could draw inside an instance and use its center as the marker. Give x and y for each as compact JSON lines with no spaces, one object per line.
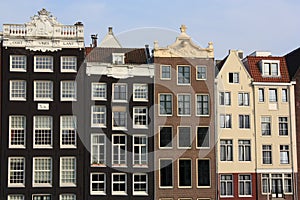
{"x":283,"y":126}
{"x":267,"y":154}
{"x":119,"y":115}
{"x":17,"y":91}
{"x":226,"y":150}
{"x":17,"y":131}
{"x":243,"y":99}
{"x":120,"y":92}
{"x":42,"y":172}
{"x":272,"y":95}
{"x":119,"y":150}
{"x":203,"y":137}
{"x":18,"y":63}
{"x":165,"y":72}
{"x":185,"y":173}
{"x":201,"y":72}
{"x":266,"y":125}
{"x":265,"y":179}
{"x":140,"y":117}
{"x":166,"y":173}
{"x":68,"y":131}
{"x":165,"y":137}
{"x":99,"y":91}
{"x":244,"y":121}
{"x":284,"y":95}
{"x":184,"y":75}
{"x":68,"y":64}
{"x":184,"y":137}
{"x":140,"y":92}
{"x":226,"y":184}
{"x":67,"y":172}
{"x":42,"y":132}
{"x":284,"y":154}
{"x":140,"y":184}
{"x":98,"y":184}
{"x":43,"y":64}
{"x":140,"y":154}
{"x":245,"y":185}
{"x":261,"y":95}
{"x":202,"y":104}
{"x":225,"y":98}
{"x":203,"y":173}
{"x":165,"y":102}
{"x":16,"y":172}
{"x":225,"y":121}
{"x":234,"y":77}
{"x":98,"y":150}
{"x":43,"y":91}
{"x":119,"y":184}
{"x":68,"y":91}
{"x":244,"y":150}
{"x":184,"y":105}
{"x":98,"y":116}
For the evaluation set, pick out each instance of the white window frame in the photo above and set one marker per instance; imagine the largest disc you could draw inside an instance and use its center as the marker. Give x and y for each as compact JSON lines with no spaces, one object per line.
{"x":284,"y":95}
{"x":66,"y":90}
{"x":202,"y":102}
{"x":116,"y":113}
{"x":284,"y":154}
{"x":225,"y":98}
{"x":162,"y":108}
{"x":235,"y":77}
{"x":46,"y":127}
{"x":20,"y":92}
{"x":184,"y":102}
{"x":15,"y":197}
{"x":267,"y":178}
{"x":161,"y":72}
{"x":49,"y":92}
{"x":20,"y":65}
{"x":267,"y":149}
{"x":47,"y":63}
{"x":100,"y":114}
{"x":244,"y":147}
{"x":99,"y":159}
{"x":71,"y":61}
{"x":94,"y":192}
{"x":48,"y":196}
{"x":208,"y":135}
{"x":283,"y":128}
{"x":113,"y":92}
{"x":118,"y":182}
{"x":197,"y":72}
{"x":69,"y":170}
{"x":269,"y":73}
{"x":119,"y":162}
{"x":42,"y":171}
{"x":261,"y":95}
{"x":226,"y":182}
{"x":10,"y":171}
{"x":245,"y":182}
{"x":166,"y":147}
{"x":178,"y":78}
{"x":226,"y":121}
{"x":140,"y":89}
{"x":20,"y":127}
{"x":68,"y":123}
{"x":178,"y":137}
{"x":266,"y":120}
{"x":244,"y":99}
{"x":160,"y":168}
{"x":96,"y":88}
{"x":140,"y":162}
{"x":197,"y":172}
{"x":273,"y":98}
{"x":178,"y":171}
{"x":67,"y":197}
{"x":227,"y":145}
{"x":136,"y":114}
{"x":118,"y":58}
{"x":139,"y":193}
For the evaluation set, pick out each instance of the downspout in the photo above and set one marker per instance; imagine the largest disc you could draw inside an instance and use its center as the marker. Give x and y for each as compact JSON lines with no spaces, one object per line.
{"x":216,"y":137}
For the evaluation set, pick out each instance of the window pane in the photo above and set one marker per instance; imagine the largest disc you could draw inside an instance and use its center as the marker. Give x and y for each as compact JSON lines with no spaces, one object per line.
{"x":203,"y":173}
{"x":166,"y":173}
{"x":185,"y":175}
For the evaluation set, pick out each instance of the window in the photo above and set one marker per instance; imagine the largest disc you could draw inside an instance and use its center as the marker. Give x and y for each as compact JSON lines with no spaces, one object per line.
{"x":119,"y":115}
{"x":265,"y":179}
{"x":68,"y":91}
{"x":15,"y":197}
{"x":270,"y":68}
{"x":165,"y":102}
{"x":42,"y":132}
{"x":266,"y":125}
{"x":118,"y":58}
{"x":140,"y":117}
{"x":68,"y":64}
{"x":261,"y":95}
{"x":41,"y":197}
{"x":226,"y":185}
{"x":288,"y":183}
{"x":98,"y":150}
{"x":203,"y":173}
{"x":201,"y":72}
{"x":43,"y":91}
{"x":224,"y":98}
{"x":140,"y":152}
{"x":18,"y":63}
{"x":98,"y":116}
{"x":243,"y":99}
{"x":272,"y":95}
{"x":67,"y":197}
{"x":68,"y":131}
{"x":284,"y":95}
{"x":226,"y":150}
{"x":16,"y":172}
{"x":166,"y":173}
{"x":184,"y":105}
{"x":244,"y":150}
{"x":98,"y":184}
{"x":202,"y":104}
{"x":284,"y":154}
{"x":119,"y":150}
{"x":140,"y":92}
{"x":165,"y":137}
{"x":99,"y":91}
{"x":140,"y":184}
{"x":119,"y":186}
{"x":184,"y":137}
{"x":185,"y":173}
{"x":267,"y":154}
{"x":183,"y":75}
{"x":17,"y":130}
{"x":245,"y":188}
{"x":67,"y":172}
{"x":283,"y":126}
{"x":43,"y":64}
{"x":120,"y":92}
{"x":278,"y":183}
{"x":165,"y":72}
{"x":234,"y":77}
{"x":17,"y":90}
{"x":225,"y":121}
{"x":244,"y":121}
{"x":203,"y":137}
{"x":42,"y":172}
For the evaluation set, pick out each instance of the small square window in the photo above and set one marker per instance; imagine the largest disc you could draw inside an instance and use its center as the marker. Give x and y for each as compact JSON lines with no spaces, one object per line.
{"x":18,"y":63}
{"x":118,"y":58}
{"x":99,"y":91}
{"x":140,"y":184}
{"x":68,"y":64}
{"x":225,"y":98}
{"x":140,"y":92}
{"x":119,"y":184}
{"x":98,"y":184}
{"x":184,"y":75}
{"x":225,"y":121}
{"x":43,"y":91}
{"x":165,"y":72}
{"x":234,"y":77}
{"x":243,"y":99}
{"x":17,"y":90}
{"x":270,"y":68}
{"x":43,"y":64}
{"x":201,"y":72}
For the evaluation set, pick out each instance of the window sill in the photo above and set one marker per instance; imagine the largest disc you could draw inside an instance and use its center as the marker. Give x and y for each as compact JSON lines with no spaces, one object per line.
{"x":140,"y":166}
{"x":97,"y":193}
{"x":98,"y":165}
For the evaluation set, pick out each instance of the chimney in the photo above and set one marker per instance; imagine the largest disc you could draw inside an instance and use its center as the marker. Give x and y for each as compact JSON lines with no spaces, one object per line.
{"x":147,"y":51}
{"x":110,"y":32}
{"x":94,"y":40}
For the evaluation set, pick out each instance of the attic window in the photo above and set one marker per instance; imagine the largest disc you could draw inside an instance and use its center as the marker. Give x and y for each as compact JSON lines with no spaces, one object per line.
{"x":118,"y":58}
{"x":270,"y":68}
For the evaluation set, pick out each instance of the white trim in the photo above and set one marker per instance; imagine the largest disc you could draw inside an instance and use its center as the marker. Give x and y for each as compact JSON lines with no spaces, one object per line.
{"x":133,"y":92}
{"x":43,"y":70}
{"x":178,"y":173}
{"x":67,"y":194}
{"x":172,"y":133}
{"x":98,"y":98}
{"x":140,"y":193}
{"x":197,"y":72}
{"x":119,"y":151}
{"x":96,"y":125}
{"x":91,"y":181}
{"x":74,"y":171}
{"x":33,"y":172}
{"x":74,"y":83}
{"x":158,"y":100}
{"x":104,"y":153}
{"x":18,"y":69}
{"x":74,"y":120}
{"x":208,"y":137}
{"x":140,"y":145}
{"x":138,"y":126}
{"x":35,"y":93}
{"x":262,"y":68}
{"x":123,"y":193}
{"x":113,"y":93}
{"x":159,"y":171}
{"x":208,"y":106}
{"x":10,"y":90}
{"x":178,"y":138}
{"x":184,"y":115}
{"x":9,"y":143}
{"x":177,"y":73}
{"x":115,"y":61}
{"x":48,"y":146}
{"x":210,"y":180}
{"x":8,"y":172}
{"x":273,"y":170}
{"x":273,"y":83}
{"x":160,"y":74}
{"x":67,"y":70}
{"x":10,"y":197}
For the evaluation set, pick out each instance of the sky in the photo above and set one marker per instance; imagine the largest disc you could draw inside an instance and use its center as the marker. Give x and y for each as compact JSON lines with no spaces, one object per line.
{"x":248,"y":25}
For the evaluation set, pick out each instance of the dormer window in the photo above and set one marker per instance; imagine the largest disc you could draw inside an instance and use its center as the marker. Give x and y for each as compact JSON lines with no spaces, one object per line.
{"x":118,"y":58}
{"x":270,"y":68}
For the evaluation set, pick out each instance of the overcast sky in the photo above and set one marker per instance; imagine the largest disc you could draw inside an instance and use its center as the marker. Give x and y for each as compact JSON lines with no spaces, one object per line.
{"x":249,"y":25}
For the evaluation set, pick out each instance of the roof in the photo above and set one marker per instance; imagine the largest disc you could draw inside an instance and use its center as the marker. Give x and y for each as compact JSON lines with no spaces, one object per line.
{"x":252,"y":65}
{"x":221,"y":63}
{"x":293,"y":62}
{"x":110,"y":41}
{"x":104,"y":55}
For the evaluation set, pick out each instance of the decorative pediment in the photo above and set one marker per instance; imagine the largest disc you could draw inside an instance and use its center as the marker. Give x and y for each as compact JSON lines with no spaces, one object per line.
{"x":184,"y":47}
